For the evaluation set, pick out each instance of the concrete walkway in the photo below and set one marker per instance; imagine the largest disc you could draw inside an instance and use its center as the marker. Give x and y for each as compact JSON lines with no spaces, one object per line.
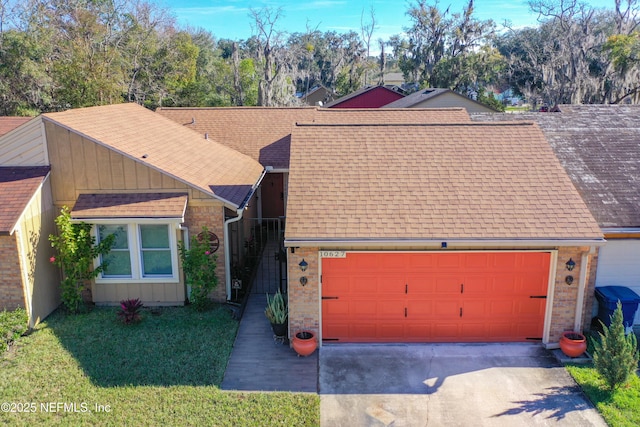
{"x":448,"y":385}
{"x":258,"y":363}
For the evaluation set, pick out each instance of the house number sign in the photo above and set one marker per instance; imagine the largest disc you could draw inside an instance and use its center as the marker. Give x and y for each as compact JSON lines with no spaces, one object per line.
{"x":333,"y":254}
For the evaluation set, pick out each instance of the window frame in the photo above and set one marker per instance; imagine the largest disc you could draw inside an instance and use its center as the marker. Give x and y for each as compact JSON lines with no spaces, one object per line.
{"x":135,"y":249}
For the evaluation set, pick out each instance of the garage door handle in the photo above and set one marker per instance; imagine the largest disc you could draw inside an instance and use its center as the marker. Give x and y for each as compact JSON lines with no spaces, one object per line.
{"x":330,"y":297}
{"x":538,"y":296}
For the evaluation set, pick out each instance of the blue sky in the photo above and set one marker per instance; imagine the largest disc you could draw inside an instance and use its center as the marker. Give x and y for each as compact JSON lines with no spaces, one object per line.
{"x":229,"y":18}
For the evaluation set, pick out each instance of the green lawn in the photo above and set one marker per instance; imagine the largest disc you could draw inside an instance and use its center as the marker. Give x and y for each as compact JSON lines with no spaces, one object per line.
{"x":620,"y":408}
{"x":163,"y":371}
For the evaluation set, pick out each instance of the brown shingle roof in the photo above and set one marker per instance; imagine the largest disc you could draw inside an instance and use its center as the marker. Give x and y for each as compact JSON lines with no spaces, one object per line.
{"x":7,"y":124}
{"x":263,"y":133}
{"x":599,"y":146}
{"x":449,"y":181}
{"x":17,"y":186}
{"x":166,"y":146}
{"x":130,"y":205}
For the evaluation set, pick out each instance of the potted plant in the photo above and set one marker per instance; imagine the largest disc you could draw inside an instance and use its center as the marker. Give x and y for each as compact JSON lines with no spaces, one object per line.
{"x":573,"y":344}
{"x":304,"y":343}
{"x":277,"y":314}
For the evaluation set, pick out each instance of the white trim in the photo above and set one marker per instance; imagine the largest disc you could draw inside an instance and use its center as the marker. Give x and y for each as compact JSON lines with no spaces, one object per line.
{"x":126,"y":220}
{"x":548,"y":311}
{"x":135,"y":254}
{"x":45,"y":143}
{"x":582,"y":283}
{"x":451,"y":244}
{"x":614,"y":230}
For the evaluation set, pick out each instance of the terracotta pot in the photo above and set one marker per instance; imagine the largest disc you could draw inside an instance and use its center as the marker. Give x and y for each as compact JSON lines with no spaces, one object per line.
{"x":573,"y":344}
{"x":304,"y":343}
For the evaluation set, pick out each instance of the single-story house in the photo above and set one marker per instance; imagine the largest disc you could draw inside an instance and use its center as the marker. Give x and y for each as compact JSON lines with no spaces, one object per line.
{"x":599,"y":147}
{"x":368,"y":97}
{"x":29,"y":280}
{"x":439,"y":98}
{"x":414,"y":224}
{"x":317,"y":95}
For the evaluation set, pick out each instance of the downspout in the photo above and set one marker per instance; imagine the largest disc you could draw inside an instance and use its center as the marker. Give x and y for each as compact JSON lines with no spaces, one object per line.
{"x":582,"y":289}
{"x":187,"y":245}
{"x":227,"y":230}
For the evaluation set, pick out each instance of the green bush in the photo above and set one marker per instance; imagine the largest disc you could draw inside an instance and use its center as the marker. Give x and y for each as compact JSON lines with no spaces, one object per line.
{"x":77,"y":249}
{"x":199,"y":266}
{"x":12,"y":325}
{"x":616,"y":354}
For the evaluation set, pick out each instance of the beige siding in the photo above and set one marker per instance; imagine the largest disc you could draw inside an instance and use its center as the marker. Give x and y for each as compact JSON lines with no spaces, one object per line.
{"x":24,"y":146}
{"x":80,"y":166}
{"x":448,"y":100}
{"x":41,"y":279}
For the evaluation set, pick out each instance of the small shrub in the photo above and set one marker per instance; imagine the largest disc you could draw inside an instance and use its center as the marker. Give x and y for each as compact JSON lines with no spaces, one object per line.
{"x":130,"y":311}
{"x":616,"y":354}
{"x":199,"y":265}
{"x":77,"y":249}
{"x":276,"y":310}
{"x":12,"y":325}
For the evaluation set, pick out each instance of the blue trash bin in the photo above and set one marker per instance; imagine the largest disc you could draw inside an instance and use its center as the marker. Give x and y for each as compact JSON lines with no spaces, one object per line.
{"x":608,"y":297}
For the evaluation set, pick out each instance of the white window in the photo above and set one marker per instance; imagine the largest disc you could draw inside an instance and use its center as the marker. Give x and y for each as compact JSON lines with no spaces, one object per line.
{"x":141,"y":252}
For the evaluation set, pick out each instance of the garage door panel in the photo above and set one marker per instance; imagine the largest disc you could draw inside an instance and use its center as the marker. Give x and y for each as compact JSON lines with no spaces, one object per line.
{"x":417,"y":297}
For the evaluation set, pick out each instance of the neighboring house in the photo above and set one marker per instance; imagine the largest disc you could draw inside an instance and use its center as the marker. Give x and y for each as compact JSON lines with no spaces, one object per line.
{"x":599,"y":146}
{"x":414,"y":224}
{"x":442,"y":232}
{"x":393,"y":79}
{"x":28,"y":279}
{"x":317,"y":95}
{"x":439,"y":98}
{"x":367,"y":97}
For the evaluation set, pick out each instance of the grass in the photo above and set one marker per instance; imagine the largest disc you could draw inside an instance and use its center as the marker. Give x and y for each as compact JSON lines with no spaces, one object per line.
{"x":165,"y":370}
{"x":12,"y":325}
{"x":620,"y":408}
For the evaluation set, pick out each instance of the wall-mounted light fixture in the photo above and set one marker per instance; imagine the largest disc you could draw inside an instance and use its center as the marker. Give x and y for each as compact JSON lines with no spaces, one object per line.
{"x":570,"y":264}
{"x":303,"y":265}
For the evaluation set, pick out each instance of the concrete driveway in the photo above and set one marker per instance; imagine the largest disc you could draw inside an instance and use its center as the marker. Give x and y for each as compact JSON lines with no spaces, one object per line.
{"x":448,"y":385}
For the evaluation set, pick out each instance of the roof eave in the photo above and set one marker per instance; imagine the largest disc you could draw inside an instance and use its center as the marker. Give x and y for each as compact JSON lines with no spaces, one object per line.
{"x":448,"y":243}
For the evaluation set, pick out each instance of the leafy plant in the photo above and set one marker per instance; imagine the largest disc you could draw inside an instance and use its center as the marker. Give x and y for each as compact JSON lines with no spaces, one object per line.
{"x":12,"y":325}
{"x":77,"y":250}
{"x":276,"y":310}
{"x":616,"y":354}
{"x":199,"y":266}
{"x":130,"y":311}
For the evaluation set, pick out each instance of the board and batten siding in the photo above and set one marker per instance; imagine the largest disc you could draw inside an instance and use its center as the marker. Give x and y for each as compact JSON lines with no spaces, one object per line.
{"x":619,"y":265}
{"x":24,"y":146}
{"x":79,"y":165}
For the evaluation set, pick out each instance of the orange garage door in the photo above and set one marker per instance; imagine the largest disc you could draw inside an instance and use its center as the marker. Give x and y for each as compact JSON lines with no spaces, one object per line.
{"x":434,"y":297}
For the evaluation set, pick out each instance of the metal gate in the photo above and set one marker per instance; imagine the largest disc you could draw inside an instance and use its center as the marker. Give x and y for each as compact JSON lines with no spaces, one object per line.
{"x":259,"y":258}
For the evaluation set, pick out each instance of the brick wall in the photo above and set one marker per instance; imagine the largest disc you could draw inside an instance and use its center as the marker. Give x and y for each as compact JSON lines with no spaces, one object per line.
{"x":11,"y":292}
{"x":211,"y":215}
{"x":304,"y":301}
{"x":565,"y":296}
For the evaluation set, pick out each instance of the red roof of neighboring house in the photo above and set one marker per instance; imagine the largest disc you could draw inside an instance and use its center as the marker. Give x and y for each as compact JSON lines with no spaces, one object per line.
{"x":440,"y":182}
{"x":7,"y":124}
{"x":17,"y":187}
{"x":367,"y":97}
